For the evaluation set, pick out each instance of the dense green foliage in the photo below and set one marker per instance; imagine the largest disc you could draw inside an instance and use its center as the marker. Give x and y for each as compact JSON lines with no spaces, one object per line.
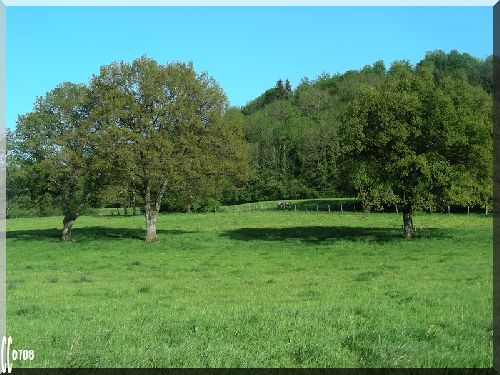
{"x":308,"y":143}
{"x":253,"y":289}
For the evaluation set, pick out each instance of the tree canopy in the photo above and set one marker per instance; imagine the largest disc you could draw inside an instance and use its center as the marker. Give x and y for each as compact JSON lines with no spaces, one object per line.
{"x":165,"y":127}
{"x":54,"y":153}
{"x":422,"y":143}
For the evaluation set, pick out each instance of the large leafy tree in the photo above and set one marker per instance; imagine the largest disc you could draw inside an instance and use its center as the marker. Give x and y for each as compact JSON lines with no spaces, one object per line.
{"x":421,"y":143}
{"x":164,"y":129}
{"x":54,"y":151}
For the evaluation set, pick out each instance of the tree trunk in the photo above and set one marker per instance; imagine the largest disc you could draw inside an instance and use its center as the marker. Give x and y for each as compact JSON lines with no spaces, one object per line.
{"x":68,"y":222}
{"x":408,"y":228}
{"x":134,"y":211}
{"x":151,"y":209}
{"x":151,"y":226}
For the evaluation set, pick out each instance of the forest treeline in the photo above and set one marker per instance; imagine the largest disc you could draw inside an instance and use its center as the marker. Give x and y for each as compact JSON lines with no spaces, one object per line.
{"x":300,"y":147}
{"x":165,"y":138}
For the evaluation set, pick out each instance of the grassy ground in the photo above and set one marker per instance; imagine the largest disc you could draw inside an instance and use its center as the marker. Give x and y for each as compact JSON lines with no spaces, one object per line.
{"x":253,"y":289}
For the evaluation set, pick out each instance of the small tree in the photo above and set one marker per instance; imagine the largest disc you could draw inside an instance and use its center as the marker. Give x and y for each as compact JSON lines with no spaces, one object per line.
{"x":55,"y":149}
{"x":161,"y":125}
{"x":280,"y":89}
{"x":288,"y":87}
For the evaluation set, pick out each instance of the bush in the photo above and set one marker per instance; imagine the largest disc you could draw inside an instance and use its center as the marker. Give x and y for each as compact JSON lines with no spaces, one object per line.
{"x":28,"y":209}
{"x":206,"y":205}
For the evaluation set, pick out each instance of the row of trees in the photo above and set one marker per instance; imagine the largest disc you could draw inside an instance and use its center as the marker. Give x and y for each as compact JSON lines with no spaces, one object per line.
{"x":137,"y":130}
{"x":163,"y":136}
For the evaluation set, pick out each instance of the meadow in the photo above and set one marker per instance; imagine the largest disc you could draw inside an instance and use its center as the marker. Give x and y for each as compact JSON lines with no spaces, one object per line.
{"x":253,"y":289}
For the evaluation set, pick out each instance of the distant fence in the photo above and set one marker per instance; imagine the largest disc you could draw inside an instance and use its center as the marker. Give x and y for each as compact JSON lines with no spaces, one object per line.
{"x":121,"y":211}
{"x":355,"y":206}
{"x":286,"y":206}
{"x":343,"y":206}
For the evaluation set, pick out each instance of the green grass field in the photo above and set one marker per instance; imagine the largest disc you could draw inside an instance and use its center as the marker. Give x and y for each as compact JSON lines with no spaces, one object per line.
{"x":253,"y":289}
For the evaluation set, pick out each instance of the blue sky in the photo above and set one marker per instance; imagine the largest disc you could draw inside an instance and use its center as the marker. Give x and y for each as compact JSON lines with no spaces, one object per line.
{"x":245,"y":49}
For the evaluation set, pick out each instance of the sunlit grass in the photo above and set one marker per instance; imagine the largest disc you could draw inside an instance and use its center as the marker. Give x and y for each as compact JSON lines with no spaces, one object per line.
{"x":253,"y":289}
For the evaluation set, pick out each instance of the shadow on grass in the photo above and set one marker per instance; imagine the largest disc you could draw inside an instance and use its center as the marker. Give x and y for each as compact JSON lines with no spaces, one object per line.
{"x":317,"y":234}
{"x":88,"y":233}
